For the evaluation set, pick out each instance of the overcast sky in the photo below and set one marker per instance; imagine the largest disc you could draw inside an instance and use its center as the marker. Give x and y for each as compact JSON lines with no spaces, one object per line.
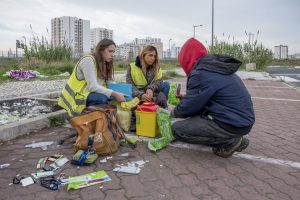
{"x":278,"y":21}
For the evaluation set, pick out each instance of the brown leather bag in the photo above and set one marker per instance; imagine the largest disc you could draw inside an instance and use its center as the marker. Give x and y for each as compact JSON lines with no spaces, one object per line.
{"x":98,"y":123}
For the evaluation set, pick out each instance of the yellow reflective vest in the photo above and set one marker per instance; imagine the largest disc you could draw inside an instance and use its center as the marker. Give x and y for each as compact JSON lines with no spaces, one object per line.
{"x":74,"y":95}
{"x":138,"y":77}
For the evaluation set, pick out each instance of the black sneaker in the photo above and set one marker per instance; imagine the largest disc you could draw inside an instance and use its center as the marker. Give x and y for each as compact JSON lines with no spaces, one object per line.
{"x":227,"y":151}
{"x":244,"y":145}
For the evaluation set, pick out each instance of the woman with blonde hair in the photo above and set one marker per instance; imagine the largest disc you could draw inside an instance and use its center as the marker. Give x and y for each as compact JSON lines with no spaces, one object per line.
{"x":87,"y":84}
{"x":145,"y":75}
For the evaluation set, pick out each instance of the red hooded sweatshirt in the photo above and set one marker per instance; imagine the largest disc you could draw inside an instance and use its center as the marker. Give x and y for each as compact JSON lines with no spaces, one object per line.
{"x":190,"y":52}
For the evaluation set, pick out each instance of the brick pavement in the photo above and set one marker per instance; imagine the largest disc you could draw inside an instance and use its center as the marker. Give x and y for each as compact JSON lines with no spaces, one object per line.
{"x":179,"y":173}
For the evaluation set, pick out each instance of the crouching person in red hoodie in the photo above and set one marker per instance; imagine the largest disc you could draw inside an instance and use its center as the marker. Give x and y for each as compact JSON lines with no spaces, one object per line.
{"x":217,"y":107}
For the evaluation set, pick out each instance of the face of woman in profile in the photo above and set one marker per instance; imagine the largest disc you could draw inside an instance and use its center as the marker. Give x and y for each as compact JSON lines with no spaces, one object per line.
{"x":108,"y":53}
{"x":150,"y":57}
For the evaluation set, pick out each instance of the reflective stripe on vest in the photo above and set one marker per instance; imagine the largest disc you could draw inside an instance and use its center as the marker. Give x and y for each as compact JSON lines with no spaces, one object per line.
{"x":138,"y":77}
{"x":74,"y":95}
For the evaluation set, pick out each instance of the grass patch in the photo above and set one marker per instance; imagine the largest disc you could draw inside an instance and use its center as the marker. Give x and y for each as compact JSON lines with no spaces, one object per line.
{"x":171,"y":74}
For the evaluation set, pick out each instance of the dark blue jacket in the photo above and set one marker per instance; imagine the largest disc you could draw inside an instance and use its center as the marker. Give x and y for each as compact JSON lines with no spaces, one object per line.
{"x":214,"y":89}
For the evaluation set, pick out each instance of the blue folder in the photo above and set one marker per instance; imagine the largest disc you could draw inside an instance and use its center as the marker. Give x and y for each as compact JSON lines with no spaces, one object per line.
{"x":123,"y":88}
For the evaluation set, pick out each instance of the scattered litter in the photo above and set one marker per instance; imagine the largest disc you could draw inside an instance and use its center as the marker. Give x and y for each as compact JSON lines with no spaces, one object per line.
{"x":140,"y":162}
{"x":39,"y":144}
{"x":124,"y":154}
{"x":161,"y":165}
{"x":109,"y":157}
{"x":127,"y":169}
{"x":4,"y":165}
{"x":22,"y":74}
{"x":61,"y":161}
{"x":44,"y":148}
{"x":21,"y":160}
{"x":88,"y":180}
{"x":64,"y":74}
{"x":10,"y":184}
{"x":26,"y":181}
{"x":44,"y":174}
{"x":103,"y":160}
{"x":21,"y":109}
{"x":101,"y":187}
{"x":131,"y":168}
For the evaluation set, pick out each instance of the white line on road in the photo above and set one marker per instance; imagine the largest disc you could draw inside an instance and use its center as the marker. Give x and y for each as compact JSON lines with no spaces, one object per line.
{"x":266,"y":87}
{"x":286,"y":163}
{"x":288,"y":79}
{"x":275,"y":99}
{"x":264,"y":159}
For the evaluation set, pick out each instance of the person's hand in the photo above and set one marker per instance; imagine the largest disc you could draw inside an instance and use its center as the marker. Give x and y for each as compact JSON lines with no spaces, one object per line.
{"x":149,"y":92}
{"x":120,"y":97}
{"x":180,"y":96}
{"x":145,"y":97}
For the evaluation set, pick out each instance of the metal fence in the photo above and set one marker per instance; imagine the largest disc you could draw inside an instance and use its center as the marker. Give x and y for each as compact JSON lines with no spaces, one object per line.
{"x":11,"y":54}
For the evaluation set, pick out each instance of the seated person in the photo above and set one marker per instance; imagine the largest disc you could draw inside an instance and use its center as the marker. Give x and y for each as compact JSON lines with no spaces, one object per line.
{"x":87,"y":83}
{"x":217,"y":107}
{"x":145,"y":75}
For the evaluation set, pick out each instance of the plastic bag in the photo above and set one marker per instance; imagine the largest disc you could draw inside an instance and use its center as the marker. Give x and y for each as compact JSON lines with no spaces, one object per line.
{"x":164,"y":124}
{"x":157,"y":144}
{"x":172,"y":99}
{"x":123,"y":116}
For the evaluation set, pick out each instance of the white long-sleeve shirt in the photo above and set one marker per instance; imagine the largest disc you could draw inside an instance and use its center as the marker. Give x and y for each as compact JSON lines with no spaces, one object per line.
{"x":86,"y":71}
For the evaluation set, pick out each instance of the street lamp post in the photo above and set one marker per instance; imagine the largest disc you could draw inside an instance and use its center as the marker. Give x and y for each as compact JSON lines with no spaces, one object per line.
{"x":195,"y":27}
{"x":212,"y":24}
{"x":170,"y":48}
{"x":24,"y":40}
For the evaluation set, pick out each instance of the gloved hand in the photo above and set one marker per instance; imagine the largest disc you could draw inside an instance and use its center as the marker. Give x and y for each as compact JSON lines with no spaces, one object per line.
{"x":161,"y":100}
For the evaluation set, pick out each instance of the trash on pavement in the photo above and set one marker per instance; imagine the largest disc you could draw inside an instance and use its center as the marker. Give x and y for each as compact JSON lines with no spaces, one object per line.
{"x":4,"y":165}
{"x":127,"y":169}
{"x":86,"y":180}
{"x":26,"y":181}
{"x":39,"y":144}
{"x":124,"y":154}
{"x":131,"y":168}
{"x":157,"y":144}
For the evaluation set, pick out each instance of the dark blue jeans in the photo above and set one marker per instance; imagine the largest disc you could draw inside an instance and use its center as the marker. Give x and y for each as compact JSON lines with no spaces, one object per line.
{"x":165,"y":88}
{"x":96,"y":99}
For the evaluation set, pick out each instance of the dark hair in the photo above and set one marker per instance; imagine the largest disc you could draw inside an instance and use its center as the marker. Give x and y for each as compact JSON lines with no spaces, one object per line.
{"x":105,"y":69}
{"x":146,"y":50}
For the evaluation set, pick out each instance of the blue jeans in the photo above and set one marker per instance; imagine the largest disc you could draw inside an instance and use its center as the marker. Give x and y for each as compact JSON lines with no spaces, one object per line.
{"x":96,"y":99}
{"x":165,"y":88}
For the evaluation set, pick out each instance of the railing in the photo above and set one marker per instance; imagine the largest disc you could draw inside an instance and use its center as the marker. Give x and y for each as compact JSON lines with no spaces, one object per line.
{"x":10,"y":54}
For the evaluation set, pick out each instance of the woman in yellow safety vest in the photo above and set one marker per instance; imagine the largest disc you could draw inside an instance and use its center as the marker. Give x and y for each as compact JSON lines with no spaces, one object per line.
{"x":87,"y":84}
{"x":145,"y":75}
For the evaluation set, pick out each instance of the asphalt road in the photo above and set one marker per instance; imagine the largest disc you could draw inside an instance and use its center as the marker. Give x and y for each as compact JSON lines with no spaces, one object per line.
{"x":293,"y":74}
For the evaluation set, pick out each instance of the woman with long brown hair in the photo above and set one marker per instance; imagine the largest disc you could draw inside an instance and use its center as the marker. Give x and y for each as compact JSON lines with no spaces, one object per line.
{"x":88,"y":83}
{"x":145,"y":75}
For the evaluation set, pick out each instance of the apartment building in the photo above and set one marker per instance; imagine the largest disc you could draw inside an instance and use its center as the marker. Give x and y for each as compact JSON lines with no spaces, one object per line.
{"x":134,"y":48}
{"x":72,"y":31}
{"x":281,"y":52}
{"x":98,"y":34}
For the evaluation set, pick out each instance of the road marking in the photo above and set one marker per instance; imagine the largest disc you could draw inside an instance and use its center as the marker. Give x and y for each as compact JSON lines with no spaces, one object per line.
{"x":288,"y":79}
{"x":264,"y":159}
{"x":275,"y":99}
{"x":286,"y":74}
{"x":286,"y":163}
{"x":266,"y":87}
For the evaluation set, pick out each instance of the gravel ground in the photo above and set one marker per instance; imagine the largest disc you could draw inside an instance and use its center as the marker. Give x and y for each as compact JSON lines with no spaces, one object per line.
{"x":25,"y":88}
